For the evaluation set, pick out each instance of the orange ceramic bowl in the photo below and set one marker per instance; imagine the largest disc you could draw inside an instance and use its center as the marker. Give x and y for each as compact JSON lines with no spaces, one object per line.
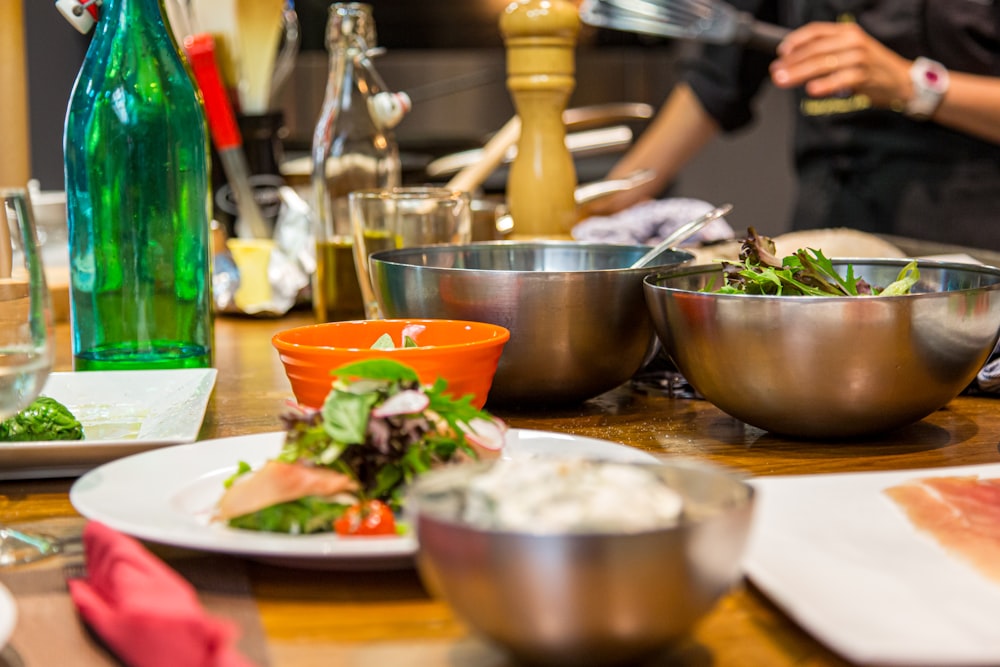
{"x":465,"y":354}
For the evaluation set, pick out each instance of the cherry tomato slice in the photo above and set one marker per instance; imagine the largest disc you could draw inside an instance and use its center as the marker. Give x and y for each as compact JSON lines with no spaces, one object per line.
{"x":372,"y":517}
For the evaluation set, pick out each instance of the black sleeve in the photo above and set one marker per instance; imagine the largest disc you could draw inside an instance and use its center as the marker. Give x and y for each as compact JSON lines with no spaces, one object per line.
{"x":725,"y":78}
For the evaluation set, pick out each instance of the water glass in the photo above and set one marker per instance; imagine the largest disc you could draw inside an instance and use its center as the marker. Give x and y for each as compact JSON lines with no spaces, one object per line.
{"x":26,"y":348}
{"x":401,"y":218}
{"x":25,"y":308}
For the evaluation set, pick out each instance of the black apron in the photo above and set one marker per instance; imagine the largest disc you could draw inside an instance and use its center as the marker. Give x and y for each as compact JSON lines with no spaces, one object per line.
{"x":877,"y":170}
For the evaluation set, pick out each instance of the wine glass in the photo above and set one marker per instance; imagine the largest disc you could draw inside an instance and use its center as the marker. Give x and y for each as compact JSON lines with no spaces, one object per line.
{"x":26,"y":349}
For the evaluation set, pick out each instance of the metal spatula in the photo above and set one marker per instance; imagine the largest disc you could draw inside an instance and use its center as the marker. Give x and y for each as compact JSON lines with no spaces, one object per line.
{"x":710,"y":21}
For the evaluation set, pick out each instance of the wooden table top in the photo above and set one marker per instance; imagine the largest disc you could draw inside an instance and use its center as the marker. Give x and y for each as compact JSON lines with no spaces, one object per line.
{"x":352,"y":618}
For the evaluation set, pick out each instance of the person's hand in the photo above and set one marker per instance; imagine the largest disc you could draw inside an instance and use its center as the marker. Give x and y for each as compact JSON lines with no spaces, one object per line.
{"x":831,"y":58}
{"x":612,"y":203}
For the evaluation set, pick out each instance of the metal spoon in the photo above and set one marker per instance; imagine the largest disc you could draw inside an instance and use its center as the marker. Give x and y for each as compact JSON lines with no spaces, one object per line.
{"x":681,"y":233}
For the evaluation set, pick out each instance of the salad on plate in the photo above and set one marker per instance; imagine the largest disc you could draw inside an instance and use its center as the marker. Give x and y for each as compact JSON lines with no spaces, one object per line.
{"x":343,"y":468}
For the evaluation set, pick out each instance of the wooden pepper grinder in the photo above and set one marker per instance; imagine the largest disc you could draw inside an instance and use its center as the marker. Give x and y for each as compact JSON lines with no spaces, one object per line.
{"x":540,"y":36}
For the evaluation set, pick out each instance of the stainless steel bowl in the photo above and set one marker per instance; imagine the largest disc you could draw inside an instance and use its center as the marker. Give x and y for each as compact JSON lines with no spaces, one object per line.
{"x":830,"y":367}
{"x":583,"y":598}
{"x":579,"y":325}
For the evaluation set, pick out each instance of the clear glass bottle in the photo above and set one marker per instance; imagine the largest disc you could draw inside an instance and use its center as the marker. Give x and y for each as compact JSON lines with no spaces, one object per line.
{"x":137,"y":194}
{"x":352,"y":150}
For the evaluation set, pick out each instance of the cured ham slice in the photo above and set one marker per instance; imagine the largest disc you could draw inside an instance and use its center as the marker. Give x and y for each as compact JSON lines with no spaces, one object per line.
{"x":276,"y":482}
{"x":961,"y":513}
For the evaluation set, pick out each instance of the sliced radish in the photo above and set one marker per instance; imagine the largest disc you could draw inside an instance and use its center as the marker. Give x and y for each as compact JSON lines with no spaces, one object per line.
{"x":406,"y":402}
{"x":302,"y":411}
{"x":411,"y":331}
{"x":486,"y":435}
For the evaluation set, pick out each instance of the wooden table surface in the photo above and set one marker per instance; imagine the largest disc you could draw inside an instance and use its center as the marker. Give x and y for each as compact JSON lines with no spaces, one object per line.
{"x":352,"y":618}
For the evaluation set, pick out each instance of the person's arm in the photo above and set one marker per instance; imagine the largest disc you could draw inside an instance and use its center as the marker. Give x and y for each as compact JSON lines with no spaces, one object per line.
{"x":828,"y":58}
{"x":678,"y":132}
{"x":971,"y":105}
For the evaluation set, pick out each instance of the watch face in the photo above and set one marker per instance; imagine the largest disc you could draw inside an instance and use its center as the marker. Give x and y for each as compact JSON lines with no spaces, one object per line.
{"x":930,"y":81}
{"x":934,"y":76}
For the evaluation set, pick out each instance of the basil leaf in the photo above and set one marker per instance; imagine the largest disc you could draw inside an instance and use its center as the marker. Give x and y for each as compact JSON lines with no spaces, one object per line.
{"x":345,"y":416}
{"x":376,"y":369}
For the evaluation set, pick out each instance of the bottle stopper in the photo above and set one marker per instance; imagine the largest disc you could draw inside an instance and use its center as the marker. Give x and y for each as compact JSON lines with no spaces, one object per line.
{"x":81,"y":14}
{"x":387,"y":109}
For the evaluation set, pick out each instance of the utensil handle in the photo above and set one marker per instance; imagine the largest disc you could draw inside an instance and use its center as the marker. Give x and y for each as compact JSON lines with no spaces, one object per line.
{"x":682,"y":233}
{"x":225,"y":131}
{"x":7,"y":203}
{"x":584,"y":194}
{"x":472,"y":176}
{"x":200,"y":49}
{"x":284,"y":63}
{"x":763,"y":36}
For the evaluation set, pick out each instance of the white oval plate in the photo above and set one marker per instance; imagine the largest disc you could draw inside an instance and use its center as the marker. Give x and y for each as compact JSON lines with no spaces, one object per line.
{"x":168,"y":496}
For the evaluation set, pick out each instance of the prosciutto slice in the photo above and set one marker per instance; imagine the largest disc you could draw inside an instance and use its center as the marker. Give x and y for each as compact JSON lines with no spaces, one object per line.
{"x":277,"y":482}
{"x":961,"y":513}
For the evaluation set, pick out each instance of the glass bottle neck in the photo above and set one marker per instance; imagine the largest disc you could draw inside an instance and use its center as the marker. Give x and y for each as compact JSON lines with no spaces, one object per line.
{"x":150,"y":12}
{"x":346,"y":50}
{"x":352,"y":21}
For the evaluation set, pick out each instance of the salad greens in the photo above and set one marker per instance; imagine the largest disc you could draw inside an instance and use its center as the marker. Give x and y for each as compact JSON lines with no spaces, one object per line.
{"x":299,"y":517}
{"x":44,"y":419}
{"x":382,"y":452}
{"x":807,"y":272}
{"x":380,"y":427}
{"x":385,"y":342}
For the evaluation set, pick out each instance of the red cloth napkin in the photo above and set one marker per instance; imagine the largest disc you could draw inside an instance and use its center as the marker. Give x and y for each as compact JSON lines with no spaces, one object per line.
{"x":145,"y":612}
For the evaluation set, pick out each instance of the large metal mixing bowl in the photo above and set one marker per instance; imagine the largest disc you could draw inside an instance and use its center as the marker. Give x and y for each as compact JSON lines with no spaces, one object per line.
{"x":584,"y":599}
{"x":578,"y":322}
{"x":830,"y":367}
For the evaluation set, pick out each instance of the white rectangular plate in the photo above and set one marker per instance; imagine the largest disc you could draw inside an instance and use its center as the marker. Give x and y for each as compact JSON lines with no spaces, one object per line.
{"x":843,"y":560}
{"x":122,"y":412}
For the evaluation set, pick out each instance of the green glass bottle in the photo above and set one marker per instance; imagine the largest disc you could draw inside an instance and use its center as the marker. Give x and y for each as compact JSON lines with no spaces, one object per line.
{"x":137,"y":194}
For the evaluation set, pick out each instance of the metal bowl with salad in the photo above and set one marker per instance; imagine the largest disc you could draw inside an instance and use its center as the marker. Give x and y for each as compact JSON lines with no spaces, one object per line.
{"x":882,"y":344}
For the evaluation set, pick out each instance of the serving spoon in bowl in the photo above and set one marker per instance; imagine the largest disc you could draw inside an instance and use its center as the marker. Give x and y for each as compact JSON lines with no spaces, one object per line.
{"x":657,"y":379}
{"x":682,"y":233}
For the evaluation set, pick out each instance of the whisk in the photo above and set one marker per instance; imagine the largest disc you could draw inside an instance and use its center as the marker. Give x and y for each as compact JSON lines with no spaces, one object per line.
{"x":710,"y":21}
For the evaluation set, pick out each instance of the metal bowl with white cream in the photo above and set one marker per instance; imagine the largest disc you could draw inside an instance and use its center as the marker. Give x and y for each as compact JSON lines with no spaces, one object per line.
{"x":566,"y":562}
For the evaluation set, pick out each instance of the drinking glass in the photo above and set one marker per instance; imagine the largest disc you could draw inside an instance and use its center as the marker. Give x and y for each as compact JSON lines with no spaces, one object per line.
{"x":402,"y":218}
{"x":26,"y":349}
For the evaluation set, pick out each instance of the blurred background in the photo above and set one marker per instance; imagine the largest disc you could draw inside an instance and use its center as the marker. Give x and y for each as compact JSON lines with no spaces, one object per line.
{"x":449,"y":56}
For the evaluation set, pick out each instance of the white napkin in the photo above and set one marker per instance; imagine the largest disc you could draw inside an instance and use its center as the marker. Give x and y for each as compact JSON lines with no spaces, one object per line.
{"x":988,"y":378}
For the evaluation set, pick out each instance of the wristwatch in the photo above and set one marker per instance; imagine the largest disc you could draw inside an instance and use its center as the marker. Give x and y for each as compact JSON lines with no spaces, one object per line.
{"x":930,"y":82}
